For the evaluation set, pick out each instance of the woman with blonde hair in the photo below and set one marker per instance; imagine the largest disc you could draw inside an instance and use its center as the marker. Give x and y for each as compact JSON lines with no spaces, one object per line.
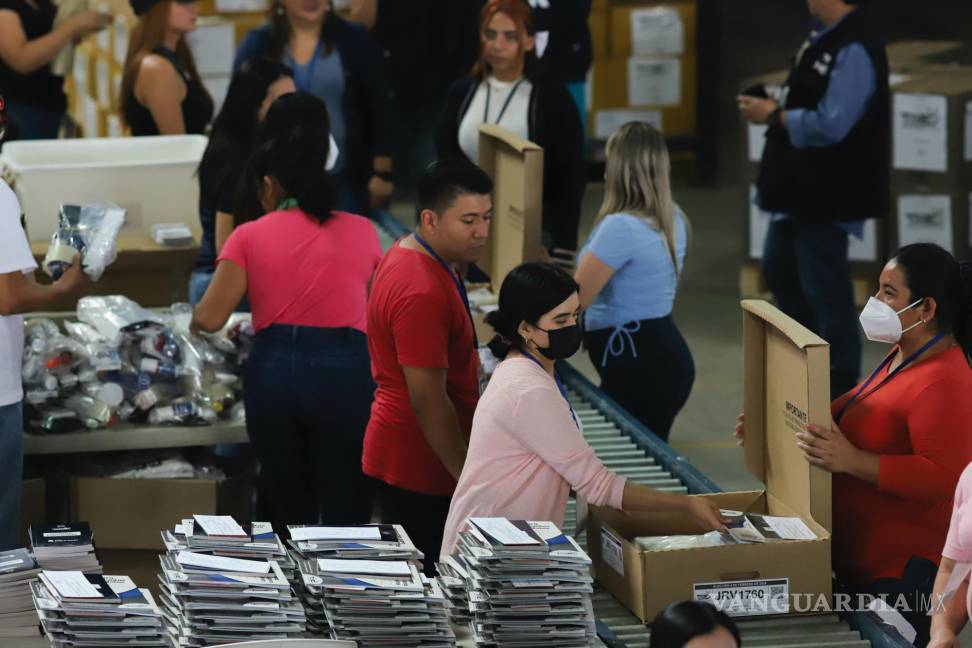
{"x":628,"y":273}
{"x":161,"y":92}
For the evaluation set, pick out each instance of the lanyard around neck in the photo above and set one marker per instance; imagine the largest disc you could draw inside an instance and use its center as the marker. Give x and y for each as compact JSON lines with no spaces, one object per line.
{"x":506,"y":104}
{"x":907,"y":361}
{"x":460,"y":284}
{"x":303,"y":80}
{"x":560,"y":386}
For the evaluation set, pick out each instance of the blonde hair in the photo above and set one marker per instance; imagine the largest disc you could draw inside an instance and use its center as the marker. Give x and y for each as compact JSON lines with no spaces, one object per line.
{"x":636,"y":180}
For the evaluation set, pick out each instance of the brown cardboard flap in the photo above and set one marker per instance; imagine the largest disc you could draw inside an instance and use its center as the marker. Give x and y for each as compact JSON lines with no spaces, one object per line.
{"x":787,"y":385}
{"x":516,"y":167}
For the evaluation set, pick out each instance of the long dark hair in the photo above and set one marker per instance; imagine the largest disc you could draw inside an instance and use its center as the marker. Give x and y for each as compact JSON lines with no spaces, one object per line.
{"x":520,"y":13}
{"x":292,"y":147}
{"x":236,"y":125}
{"x":931,"y":271}
{"x":679,"y":623}
{"x":528,"y":292}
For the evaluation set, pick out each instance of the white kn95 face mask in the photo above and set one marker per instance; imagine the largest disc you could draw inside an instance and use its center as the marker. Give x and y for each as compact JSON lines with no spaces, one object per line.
{"x":881,"y":322}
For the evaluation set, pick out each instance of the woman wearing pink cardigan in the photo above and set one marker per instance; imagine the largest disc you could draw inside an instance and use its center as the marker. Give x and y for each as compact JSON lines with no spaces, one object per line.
{"x":526,"y":451}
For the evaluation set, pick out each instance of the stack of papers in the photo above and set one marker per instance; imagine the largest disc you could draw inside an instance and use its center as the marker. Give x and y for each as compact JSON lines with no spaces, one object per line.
{"x":17,"y":615}
{"x":221,"y":535}
{"x":752,"y":527}
{"x":453,"y":579}
{"x":382,"y":603}
{"x":65,"y":547}
{"x":79,"y":610}
{"x":208,"y":598}
{"x":366,"y":542}
{"x":529,"y":584}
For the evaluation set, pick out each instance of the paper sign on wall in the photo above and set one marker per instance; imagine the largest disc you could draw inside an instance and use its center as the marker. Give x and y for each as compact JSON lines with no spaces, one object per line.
{"x":920,"y":132}
{"x":758,"y":226}
{"x":864,"y":249}
{"x":654,"y":82}
{"x":757,"y":141}
{"x":607,"y":122}
{"x":658,"y":30}
{"x":925,"y":219}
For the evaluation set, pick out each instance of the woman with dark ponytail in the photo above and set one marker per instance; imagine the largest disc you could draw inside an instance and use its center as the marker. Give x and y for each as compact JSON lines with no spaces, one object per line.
{"x":526,"y":450}
{"x":901,"y":438}
{"x":305,"y":269}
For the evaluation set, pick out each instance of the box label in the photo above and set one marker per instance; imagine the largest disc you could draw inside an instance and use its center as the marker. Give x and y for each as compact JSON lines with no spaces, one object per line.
{"x":746,"y":598}
{"x":920,"y":132}
{"x":654,"y":81}
{"x":925,"y":219}
{"x":658,"y":30}
{"x":968,"y":132}
{"x":611,"y":551}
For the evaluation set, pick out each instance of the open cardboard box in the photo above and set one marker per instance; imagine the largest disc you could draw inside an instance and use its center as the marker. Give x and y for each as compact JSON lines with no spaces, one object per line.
{"x":787,"y":384}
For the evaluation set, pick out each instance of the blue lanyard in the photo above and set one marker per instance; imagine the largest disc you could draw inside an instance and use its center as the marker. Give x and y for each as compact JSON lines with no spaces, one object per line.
{"x":303,"y":81}
{"x":460,"y":284}
{"x":560,"y":386}
{"x":907,"y":361}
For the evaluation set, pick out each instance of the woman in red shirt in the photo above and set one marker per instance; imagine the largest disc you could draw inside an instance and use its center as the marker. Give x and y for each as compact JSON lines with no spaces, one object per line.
{"x":902,"y":437}
{"x":305,"y":269}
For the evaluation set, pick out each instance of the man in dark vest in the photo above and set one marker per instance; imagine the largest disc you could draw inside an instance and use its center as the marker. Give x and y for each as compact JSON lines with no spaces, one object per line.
{"x":824,"y":172}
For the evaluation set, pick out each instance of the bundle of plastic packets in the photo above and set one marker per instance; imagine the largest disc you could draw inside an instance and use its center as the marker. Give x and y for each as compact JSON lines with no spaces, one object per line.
{"x":121,"y":362}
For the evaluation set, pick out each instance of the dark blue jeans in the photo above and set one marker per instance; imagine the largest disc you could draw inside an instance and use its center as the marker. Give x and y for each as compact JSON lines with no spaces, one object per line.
{"x":308,"y":394}
{"x":806,"y":268}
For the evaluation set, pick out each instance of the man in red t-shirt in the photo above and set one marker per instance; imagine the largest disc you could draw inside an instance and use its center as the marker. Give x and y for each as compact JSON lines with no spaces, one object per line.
{"x":423,"y":354}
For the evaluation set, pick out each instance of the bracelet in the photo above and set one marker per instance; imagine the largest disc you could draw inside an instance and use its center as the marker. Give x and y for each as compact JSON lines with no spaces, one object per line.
{"x":774,"y":118}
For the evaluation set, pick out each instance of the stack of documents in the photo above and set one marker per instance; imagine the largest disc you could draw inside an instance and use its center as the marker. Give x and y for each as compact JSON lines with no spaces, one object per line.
{"x":366,"y":542}
{"x":17,"y":615}
{"x":529,"y":584}
{"x":215,"y":599}
{"x":383,"y":603}
{"x":65,"y":547}
{"x":453,"y":579}
{"x":78,"y":609}
{"x":221,"y":535}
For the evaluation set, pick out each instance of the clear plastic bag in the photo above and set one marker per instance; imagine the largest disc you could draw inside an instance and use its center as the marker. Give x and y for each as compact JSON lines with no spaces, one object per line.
{"x":111,"y":315}
{"x":88,"y":230}
{"x":670,"y":543}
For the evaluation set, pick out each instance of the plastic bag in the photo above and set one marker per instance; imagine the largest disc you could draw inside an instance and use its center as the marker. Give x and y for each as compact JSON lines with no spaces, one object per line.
{"x":669,"y":543}
{"x":111,"y":315}
{"x":88,"y":230}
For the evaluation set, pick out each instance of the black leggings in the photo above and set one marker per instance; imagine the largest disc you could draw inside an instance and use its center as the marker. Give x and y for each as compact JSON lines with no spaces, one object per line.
{"x":646,"y":367}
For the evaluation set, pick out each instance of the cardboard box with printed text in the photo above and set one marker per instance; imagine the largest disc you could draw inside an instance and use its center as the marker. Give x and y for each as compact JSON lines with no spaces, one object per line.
{"x":786,"y":383}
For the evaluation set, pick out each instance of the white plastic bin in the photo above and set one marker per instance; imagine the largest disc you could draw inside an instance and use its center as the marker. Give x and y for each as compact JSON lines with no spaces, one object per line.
{"x":152,"y":178}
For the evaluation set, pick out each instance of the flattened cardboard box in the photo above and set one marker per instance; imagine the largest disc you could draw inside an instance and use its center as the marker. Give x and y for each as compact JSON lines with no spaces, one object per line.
{"x":787,"y":384}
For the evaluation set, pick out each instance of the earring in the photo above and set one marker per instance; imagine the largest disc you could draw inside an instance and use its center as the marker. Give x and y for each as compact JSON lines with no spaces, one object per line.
{"x":280,"y":10}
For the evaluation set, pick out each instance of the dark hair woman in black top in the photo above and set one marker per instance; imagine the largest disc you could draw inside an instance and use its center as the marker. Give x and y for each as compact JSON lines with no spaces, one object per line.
{"x":29,"y":42}
{"x":254,"y":87}
{"x":161,"y":91}
{"x":508,"y":87}
{"x":691,"y":624}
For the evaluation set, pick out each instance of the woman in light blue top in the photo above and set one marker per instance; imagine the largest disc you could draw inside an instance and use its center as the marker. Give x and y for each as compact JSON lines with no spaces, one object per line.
{"x":628,"y":274}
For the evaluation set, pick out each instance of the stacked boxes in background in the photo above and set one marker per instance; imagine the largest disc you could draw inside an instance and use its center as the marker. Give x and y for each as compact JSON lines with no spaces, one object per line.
{"x":645,"y":66}
{"x":932,"y":159}
{"x":213,"y":46}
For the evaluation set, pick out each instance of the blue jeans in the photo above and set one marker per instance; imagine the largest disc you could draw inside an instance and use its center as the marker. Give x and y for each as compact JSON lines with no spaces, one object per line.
{"x":806,"y":268}
{"x":32,"y":123}
{"x":308,"y":393}
{"x":11,"y":473}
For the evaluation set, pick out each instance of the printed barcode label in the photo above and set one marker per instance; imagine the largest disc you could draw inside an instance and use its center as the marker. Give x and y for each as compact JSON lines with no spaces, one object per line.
{"x":746,"y":598}
{"x":612,"y":551}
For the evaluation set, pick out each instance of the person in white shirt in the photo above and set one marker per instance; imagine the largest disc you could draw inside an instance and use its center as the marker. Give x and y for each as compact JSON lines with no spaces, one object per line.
{"x":18,"y":294}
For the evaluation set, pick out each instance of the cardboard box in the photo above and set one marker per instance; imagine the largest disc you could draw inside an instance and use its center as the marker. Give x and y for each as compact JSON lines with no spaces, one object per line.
{"x":904,"y":55}
{"x":213,"y":46}
{"x":932,"y":134}
{"x":786,"y":375}
{"x":130,"y":513}
{"x":597,"y":22}
{"x":929,"y":214}
{"x":516,"y":167}
{"x":653,"y":29}
{"x":33,"y":506}
{"x":675,"y":76}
